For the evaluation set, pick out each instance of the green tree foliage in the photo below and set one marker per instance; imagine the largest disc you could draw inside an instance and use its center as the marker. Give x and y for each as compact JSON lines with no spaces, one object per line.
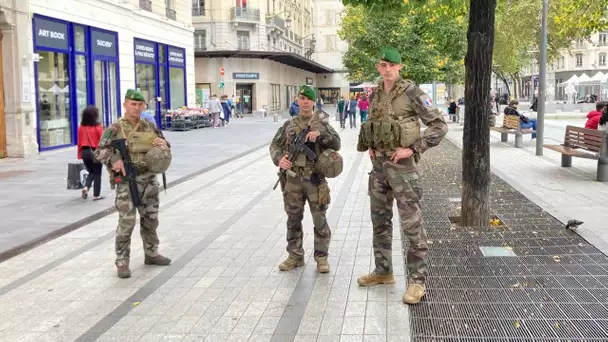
{"x":518,"y":30}
{"x":431,"y":37}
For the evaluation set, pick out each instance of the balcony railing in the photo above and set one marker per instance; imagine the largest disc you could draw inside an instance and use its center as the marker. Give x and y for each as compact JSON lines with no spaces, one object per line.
{"x":171,"y":13}
{"x":245,"y":14}
{"x":145,"y":5}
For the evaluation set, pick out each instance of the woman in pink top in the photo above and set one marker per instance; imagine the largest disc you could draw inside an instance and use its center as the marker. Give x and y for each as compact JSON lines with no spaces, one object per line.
{"x":89,"y":134}
{"x":363,"y":107}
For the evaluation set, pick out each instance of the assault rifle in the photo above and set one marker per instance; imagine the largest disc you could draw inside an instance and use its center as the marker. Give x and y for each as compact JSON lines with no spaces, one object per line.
{"x":297,"y":146}
{"x":130,"y":169}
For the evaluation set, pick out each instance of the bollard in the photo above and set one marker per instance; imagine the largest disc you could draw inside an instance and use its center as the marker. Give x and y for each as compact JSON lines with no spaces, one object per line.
{"x":276,"y":117}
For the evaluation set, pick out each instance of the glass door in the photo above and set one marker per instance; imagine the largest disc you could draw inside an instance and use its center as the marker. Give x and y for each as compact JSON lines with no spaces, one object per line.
{"x":106,"y":91}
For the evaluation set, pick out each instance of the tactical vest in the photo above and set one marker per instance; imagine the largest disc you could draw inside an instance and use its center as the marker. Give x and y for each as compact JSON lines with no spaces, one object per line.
{"x":301,"y":164}
{"x":384,"y":130}
{"x":139,"y":141}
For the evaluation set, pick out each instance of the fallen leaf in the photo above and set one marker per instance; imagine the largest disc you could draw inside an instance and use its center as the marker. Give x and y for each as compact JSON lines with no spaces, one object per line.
{"x":556,"y":325}
{"x":516,"y":285}
{"x":557,"y":258}
{"x":135,"y":303}
{"x":517,"y":324}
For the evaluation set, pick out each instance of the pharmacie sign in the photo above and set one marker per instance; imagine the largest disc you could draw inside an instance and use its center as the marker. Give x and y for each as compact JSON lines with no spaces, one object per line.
{"x":51,"y":34}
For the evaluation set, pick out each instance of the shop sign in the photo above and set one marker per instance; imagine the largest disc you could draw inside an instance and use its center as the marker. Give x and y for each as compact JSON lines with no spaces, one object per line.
{"x":144,"y":51}
{"x":246,"y":75}
{"x":51,"y":34}
{"x":103,"y":43}
{"x":176,"y":56}
{"x":309,"y":80}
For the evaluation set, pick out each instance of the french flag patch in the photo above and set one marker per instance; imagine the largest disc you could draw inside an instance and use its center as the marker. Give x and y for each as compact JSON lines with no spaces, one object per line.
{"x":427,"y":102}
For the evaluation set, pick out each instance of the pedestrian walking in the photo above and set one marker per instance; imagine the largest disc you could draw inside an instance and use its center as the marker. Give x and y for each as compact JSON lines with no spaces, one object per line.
{"x":150,"y":154}
{"x":307,"y":182}
{"x":89,"y":134}
{"x":396,"y":107}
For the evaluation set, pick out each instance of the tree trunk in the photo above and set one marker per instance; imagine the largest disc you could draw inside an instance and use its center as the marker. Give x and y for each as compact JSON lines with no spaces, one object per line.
{"x":475,"y":206}
{"x":515,"y":86}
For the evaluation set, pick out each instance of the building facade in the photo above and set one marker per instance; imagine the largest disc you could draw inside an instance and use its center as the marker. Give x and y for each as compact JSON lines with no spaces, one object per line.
{"x":74,"y":53}
{"x":261,"y":51}
{"x":584,"y":57}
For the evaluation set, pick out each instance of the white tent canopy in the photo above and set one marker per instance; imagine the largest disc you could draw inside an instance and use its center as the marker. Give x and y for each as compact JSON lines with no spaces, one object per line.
{"x":595,"y":80}
{"x":365,"y":85}
{"x":572,"y":80}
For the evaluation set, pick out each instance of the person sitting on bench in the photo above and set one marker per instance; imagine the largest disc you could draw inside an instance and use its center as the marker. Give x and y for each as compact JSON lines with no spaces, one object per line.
{"x":526,"y":122}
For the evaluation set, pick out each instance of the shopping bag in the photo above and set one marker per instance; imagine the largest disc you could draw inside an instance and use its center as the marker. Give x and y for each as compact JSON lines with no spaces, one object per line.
{"x":75,"y":176}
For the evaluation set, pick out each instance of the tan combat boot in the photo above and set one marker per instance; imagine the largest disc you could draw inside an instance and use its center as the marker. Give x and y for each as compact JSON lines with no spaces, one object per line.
{"x":122,"y":269}
{"x":157,"y":260}
{"x":290,"y":263}
{"x":375,"y":279}
{"x":414,"y":293}
{"x":322,"y":264}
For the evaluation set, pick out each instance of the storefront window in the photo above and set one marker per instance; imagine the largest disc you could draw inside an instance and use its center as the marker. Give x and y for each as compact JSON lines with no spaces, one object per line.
{"x":146,"y":83}
{"x":178,"y":87}
{"x":165,"y":64}
{"x":203,"y":91}
{"x":54,"y":99}
{"x":79,"y":40}
{"x":275,"y":96}
{"x":81,"y":84}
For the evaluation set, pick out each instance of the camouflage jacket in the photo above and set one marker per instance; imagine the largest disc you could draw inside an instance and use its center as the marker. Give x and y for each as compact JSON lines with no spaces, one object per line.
{"x":328,"y":139}
{"x":106,"y":154}
{"x":422,"y":106}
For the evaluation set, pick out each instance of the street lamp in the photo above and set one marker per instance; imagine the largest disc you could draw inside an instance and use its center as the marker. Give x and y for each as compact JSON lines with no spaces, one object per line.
{"x":288,"y":20}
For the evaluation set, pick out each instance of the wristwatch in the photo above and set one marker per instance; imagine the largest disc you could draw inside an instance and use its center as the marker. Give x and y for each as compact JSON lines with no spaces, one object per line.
{"x":413,"y":148}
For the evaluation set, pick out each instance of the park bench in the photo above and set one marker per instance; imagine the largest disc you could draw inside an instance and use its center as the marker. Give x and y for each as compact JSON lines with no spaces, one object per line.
{"x":512,"y":125}
{"x":584,"y":143}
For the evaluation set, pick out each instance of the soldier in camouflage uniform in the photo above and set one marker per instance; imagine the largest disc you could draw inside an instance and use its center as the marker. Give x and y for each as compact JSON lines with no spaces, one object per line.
{"x":141,"y":136}
{"x":392,"y":138}
{"x":307,"y":185}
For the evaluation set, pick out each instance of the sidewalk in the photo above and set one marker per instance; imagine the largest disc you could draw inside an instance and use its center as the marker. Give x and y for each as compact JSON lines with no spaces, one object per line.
{"x":34,"y":201}
{"x":566,"y":193}
{"x":225,"y":231}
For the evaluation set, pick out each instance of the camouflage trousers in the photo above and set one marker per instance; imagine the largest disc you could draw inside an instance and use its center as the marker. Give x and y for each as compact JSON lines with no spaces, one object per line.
{"x":148,"y":217}
{"x":388,"y":181}
{"x":296,"y":192}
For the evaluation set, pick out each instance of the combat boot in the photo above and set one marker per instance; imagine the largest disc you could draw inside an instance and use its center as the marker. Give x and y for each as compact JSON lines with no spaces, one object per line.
{"x":157,"y":260}
{"x":290,"y":263}
{"x":122,"y":269}
{"x":322,"y":264}
{"x":375,"y":279}
{"x":414,"y":293}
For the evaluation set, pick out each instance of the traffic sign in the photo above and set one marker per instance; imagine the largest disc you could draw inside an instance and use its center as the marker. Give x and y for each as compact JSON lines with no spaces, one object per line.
{"x":222,"y":70}
{"x":221,"y":85}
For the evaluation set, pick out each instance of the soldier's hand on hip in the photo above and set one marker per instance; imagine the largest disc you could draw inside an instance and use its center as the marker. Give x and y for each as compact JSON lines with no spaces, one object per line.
{"x":312,"y":136}
{"x":119,"y":167}
{"x":284,"y":163}
{"x":159,"y":142}
{"x":401,"y":153}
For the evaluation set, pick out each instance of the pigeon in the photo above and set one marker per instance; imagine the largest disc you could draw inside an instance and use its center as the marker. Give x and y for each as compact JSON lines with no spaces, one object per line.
{"x":573,"y":224}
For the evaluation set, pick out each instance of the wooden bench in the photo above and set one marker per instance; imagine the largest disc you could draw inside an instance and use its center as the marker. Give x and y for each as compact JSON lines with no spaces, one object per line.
{"x":512,"y":125}
{"x":585,"y":143}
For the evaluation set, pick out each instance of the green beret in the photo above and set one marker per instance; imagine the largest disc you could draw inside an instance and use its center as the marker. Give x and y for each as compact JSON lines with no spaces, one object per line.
{"x":134,"y":95}
{"x":309,"y":92}
{"x":389,"y":54}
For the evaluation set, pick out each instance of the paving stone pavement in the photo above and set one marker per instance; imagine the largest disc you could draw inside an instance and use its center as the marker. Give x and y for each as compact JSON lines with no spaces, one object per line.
{"x":566,"y":193}
{"x":225,"y":231}
{"x":33,"y":196}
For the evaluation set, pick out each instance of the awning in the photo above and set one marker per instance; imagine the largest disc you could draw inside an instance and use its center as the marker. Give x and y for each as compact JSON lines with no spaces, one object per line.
{"x":287,"y":58}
